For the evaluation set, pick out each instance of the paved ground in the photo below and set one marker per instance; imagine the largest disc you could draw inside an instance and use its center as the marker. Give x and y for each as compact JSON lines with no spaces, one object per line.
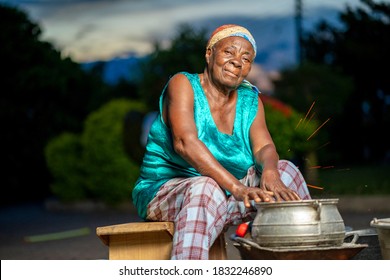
{"x":21,"y":222}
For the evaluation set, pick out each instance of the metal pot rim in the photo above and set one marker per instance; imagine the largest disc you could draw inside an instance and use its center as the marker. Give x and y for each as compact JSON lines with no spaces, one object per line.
{"x":381,"y":223}
{"x":307,"y":202}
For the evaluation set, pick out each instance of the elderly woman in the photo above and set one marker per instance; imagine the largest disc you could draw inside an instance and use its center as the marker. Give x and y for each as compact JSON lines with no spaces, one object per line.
{"x":209,"y":155}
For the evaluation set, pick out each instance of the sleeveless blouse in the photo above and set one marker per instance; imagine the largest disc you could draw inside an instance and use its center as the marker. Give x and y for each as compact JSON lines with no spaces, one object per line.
{"x":161,"y":163}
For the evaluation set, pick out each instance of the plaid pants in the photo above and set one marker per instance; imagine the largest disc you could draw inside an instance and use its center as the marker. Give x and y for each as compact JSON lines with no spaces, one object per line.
{"x":200,"y":209}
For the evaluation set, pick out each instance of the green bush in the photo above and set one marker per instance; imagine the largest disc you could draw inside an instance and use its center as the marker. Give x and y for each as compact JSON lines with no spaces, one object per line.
{"x":94,"y":164}
{"x":111,"y":174}
{"x":289,"y":129}
{"x":64,"y":159}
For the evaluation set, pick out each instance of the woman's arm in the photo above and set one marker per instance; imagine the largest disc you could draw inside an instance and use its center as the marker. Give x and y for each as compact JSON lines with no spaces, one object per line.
{"x":178,"y":113}
{"x":267,"y":158}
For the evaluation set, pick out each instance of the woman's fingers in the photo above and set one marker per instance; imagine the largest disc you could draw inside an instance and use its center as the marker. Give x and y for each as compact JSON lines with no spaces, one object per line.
{"x":260,"y":195}
{"x":289,"y":195}
{"x":246,"y":202}
{"x":257,"y":195}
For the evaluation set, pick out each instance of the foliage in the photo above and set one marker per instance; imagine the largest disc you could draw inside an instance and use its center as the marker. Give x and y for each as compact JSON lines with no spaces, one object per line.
{"x":95,"y":164}
{"x":111,"y":174}
{"x":64,"y":159}
{"x":319,"y":83}
{"x":42,"y":95}
{"x":319,"y":91}
{"x":289,"y":130}
{"x":186,"y":53}
{"x":360,"y":49}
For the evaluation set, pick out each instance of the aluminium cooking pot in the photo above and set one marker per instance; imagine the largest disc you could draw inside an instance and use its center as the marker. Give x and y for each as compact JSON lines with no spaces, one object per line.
{"x":382,"y":227}
{"x":305,"y":223}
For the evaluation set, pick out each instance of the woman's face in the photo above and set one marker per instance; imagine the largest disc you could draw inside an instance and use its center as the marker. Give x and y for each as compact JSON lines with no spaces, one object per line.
{"x":229,"y":61}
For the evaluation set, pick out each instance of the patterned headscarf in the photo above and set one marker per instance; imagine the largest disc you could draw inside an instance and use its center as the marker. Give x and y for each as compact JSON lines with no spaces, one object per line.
{"x":229,"y":30}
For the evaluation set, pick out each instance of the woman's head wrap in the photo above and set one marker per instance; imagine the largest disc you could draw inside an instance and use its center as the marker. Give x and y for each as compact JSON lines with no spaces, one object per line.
{"x":229,"y":30}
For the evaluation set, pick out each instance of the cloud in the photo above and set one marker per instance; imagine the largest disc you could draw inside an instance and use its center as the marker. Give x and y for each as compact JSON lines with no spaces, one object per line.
{"x":99,"y":29}
{"x":84,"y":31}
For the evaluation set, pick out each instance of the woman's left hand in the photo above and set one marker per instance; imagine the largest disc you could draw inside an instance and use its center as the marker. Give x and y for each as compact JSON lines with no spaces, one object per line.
{"x":270,"y":181}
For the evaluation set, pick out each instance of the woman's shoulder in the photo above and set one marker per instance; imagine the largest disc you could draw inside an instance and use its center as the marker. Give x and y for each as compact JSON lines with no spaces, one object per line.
{"x":180,"y":78}
{"x":185,"y":75}
{"x":183,"y":79}
{"x":182,"y":82}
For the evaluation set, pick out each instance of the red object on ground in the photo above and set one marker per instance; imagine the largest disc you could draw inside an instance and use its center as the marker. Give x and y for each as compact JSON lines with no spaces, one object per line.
{"x":242,"y":229}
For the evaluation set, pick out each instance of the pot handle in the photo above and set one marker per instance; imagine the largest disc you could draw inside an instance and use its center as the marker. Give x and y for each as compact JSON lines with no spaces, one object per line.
{"x":247,"y":242}
{"x":355,"y":236}
{"x":318,"y":206}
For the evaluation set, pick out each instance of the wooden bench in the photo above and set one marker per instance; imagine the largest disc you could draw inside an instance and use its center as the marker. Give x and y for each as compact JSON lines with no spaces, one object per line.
{"x":147,"y":241}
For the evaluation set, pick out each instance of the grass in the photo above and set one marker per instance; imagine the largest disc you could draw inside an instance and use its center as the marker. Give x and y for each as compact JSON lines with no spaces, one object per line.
{"x":352,"y":180}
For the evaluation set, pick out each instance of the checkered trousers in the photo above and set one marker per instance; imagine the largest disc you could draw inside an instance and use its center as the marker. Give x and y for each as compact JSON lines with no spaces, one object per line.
{"x":200,"y":209}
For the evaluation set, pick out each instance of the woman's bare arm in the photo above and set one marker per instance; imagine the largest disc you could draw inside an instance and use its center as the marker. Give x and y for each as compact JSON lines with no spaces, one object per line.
{"x":267,"y":158}
{"x":178,"y":113}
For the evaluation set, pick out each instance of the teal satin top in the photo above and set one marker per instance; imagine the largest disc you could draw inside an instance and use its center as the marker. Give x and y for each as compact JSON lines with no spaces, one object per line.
{"x":161,"y":163}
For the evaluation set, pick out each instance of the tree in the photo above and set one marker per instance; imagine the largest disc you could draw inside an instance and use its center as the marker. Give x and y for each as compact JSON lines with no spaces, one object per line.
{"x":319,"y":91}
{"x":361,"y":50}
{"x":186,"y":53}
{"x":42,"y":94}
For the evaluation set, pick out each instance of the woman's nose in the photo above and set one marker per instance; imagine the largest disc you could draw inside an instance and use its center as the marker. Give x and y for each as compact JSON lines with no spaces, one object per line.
{"x":236,"y":62}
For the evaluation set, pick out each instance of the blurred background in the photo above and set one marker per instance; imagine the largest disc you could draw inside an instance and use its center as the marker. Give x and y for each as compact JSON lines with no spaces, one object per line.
{"x":80,"y":81}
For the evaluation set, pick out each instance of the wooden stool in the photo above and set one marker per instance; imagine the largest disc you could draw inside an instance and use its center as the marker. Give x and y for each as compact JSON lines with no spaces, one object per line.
{"x":147,"y":241}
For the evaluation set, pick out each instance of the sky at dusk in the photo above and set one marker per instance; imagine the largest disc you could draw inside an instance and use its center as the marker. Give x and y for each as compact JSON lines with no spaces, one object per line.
{"x":89,"y":30}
